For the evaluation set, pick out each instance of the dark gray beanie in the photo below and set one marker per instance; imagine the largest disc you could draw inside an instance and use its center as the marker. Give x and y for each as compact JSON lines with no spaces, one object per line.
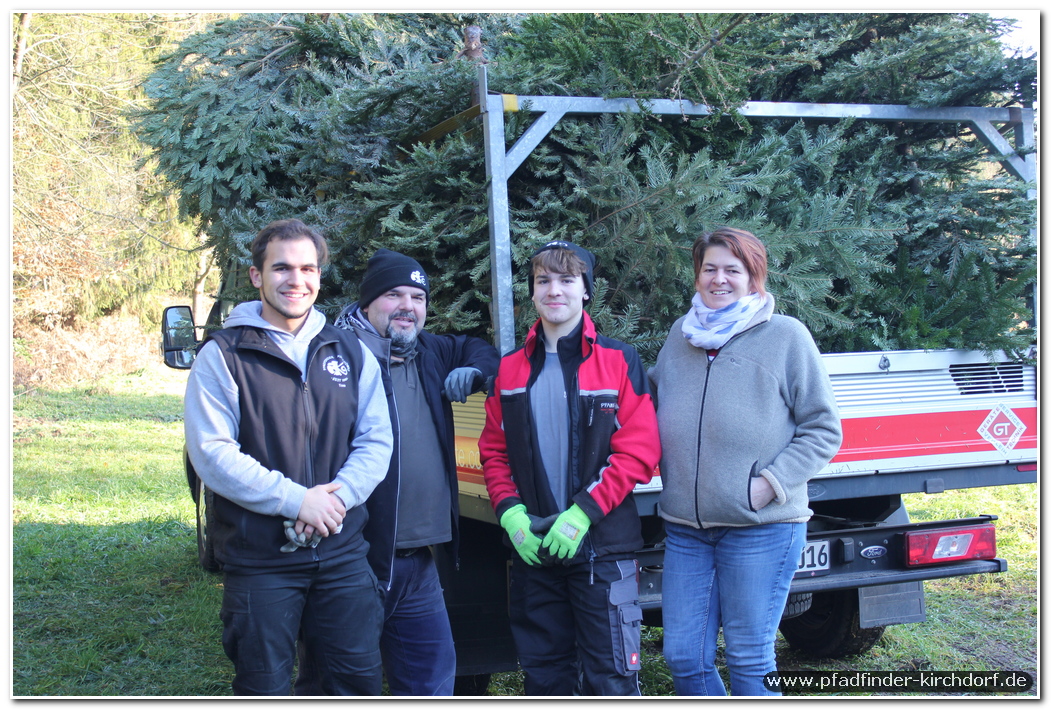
{"x":585,"y":256}
{"x":388,"y":269}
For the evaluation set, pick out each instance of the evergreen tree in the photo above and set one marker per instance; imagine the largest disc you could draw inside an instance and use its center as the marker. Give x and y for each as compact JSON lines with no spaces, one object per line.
{"x":271,"y":116}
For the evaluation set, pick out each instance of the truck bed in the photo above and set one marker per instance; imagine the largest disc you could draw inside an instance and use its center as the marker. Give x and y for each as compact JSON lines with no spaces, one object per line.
{"x":918,"y":420}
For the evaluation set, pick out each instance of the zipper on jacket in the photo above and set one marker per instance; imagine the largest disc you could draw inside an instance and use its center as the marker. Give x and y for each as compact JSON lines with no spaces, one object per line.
{"x":700,"y":426}
{"x":307,"y":394}
{"x":397,"y":492}
{"x":704,"y":398}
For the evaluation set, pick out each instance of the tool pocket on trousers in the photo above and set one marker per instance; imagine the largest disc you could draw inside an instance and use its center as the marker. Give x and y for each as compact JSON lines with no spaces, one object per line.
{"x":625,"y":616}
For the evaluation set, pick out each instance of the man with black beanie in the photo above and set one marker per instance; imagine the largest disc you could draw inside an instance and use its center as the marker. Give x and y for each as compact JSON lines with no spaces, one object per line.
{"x":416,"y":505}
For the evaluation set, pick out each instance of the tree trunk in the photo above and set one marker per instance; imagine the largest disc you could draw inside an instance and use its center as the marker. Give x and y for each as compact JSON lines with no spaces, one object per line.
{"x":23,"y":32}
{"x":200,"y":298}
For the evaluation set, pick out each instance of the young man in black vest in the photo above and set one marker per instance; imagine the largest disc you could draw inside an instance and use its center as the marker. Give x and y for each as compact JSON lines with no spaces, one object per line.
{"x":286,"y":422}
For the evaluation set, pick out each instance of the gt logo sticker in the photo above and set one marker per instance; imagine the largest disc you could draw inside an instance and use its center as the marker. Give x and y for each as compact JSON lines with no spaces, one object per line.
{"x":1002,"y":428}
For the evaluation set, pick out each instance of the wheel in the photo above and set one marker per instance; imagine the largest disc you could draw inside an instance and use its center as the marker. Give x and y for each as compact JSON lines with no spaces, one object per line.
{"x":191,"y":475}
{"x":472,"y":684}
{"x":205,"y":549}
{"x":830,"y":628}
{"x":796,"y":605}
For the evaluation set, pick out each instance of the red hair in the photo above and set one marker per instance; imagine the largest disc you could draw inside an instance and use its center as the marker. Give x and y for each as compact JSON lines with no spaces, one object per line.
{"x":742,"y":244}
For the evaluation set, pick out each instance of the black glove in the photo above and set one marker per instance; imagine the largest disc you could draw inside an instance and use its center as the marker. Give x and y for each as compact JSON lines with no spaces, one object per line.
{"x":460,"y":383}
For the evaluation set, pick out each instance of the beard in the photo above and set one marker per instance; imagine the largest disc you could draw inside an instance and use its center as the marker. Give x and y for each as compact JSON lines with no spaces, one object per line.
{"x":401,"y":339}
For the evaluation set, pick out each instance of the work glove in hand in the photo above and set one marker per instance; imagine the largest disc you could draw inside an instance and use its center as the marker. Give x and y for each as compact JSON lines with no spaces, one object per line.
{"x":460,"y":382}
{"x":516,"y":521}
{"x":297,"y":541}
{"x":564,"y":538}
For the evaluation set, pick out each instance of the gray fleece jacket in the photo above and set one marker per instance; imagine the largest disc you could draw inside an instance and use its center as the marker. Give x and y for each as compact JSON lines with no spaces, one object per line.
{"x":212,"y":414}
{"x":764,"y":406}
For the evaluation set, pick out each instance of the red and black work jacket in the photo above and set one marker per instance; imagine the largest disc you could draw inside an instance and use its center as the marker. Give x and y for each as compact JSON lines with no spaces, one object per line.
{"x":613,"y":440}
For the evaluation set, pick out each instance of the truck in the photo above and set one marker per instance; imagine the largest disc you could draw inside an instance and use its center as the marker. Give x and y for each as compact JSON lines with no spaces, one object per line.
{"x":913,"y":422}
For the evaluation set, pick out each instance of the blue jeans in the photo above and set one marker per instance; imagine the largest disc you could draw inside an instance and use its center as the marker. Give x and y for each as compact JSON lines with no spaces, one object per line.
{"x":736,"y":577}
{"x":419,"y":657}
{"x":263,"y":611}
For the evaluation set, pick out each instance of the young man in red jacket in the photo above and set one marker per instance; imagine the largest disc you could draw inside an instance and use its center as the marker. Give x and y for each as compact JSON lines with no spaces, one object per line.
{"x":570,"y":430}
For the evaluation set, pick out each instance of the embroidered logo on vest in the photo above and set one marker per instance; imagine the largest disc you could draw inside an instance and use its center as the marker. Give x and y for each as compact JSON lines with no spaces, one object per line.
{"x":337,"y":368}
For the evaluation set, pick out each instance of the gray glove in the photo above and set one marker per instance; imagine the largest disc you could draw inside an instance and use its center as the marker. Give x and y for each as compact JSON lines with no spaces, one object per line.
{"x":460,"y":382}
{"x":297,"y":541}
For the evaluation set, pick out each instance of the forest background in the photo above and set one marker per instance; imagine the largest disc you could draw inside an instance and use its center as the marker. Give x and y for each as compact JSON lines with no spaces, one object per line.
{"x":125,"y":199}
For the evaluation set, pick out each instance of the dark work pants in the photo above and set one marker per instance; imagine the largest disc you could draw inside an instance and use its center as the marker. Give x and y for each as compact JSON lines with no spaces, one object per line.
{"x":577,"y":627}
{"x":336,"y":604}
{"x":419,"y":657}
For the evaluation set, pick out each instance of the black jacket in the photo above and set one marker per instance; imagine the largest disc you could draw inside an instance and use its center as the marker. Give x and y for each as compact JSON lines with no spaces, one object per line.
{"x":436,"y":357}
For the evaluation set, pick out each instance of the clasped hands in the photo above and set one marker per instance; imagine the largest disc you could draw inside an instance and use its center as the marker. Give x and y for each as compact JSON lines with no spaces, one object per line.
{"x":562,"y":540}
{"x":320,"y":515}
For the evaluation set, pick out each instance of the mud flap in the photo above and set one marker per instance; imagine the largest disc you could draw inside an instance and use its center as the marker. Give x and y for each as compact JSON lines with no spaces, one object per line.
{"x":888,"y":604}
{"x":625,"y":619}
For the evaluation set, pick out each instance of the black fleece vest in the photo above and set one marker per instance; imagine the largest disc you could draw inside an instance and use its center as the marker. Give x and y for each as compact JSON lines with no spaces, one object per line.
{"x":301,"y":428}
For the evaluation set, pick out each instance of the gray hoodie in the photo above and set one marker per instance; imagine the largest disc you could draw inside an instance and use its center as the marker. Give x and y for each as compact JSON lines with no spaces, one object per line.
{"x":212,"y":414}
{"x":764,"y":406}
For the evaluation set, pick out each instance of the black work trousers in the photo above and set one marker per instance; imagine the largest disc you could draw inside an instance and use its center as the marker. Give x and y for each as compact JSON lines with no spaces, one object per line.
{"x":577,"y":627}
{"x":337,"y":603}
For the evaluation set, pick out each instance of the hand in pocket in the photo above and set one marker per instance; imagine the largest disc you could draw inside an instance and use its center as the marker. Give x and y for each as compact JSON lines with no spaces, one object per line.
{"x":760,"y":492}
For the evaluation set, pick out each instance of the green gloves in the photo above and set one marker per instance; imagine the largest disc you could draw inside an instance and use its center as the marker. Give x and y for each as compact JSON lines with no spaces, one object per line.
{"x":515,"y":521}
{"x":567,"y":532}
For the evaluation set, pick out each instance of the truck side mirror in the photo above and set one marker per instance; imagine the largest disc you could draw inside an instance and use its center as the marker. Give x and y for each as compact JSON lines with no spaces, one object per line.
{"x":178,"y":336}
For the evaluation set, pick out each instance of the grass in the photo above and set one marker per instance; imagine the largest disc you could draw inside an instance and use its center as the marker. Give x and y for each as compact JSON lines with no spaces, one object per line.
{"x":108,"y":599}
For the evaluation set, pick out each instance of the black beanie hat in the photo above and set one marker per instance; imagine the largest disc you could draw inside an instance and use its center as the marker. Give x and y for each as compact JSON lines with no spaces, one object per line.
{"x":388,"y":269}
{"x":585,"y":256}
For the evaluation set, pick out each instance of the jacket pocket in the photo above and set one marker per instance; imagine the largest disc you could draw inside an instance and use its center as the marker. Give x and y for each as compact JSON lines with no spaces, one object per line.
{"x":753,"y":474}
{"x":599,"y":415}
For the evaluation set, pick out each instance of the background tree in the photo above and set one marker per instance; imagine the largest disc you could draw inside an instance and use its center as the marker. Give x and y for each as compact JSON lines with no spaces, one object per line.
{"x":873,"y":230}
{"x":92,"y":233}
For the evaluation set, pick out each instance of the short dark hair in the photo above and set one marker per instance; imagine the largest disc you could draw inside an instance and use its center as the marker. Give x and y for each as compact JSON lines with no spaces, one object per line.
{"x":558,"y":261}
{"x":743,"y":244}
{"x":283,"y":230}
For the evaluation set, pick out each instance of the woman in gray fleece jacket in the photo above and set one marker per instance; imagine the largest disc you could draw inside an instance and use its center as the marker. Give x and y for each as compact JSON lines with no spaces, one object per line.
{"x":746,"y":415}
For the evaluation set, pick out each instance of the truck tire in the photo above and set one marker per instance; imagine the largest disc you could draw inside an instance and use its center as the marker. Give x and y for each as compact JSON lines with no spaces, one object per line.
{"x":830,"y":628}
{"x":796,"y":605}
{"x":472,"y":684}
{"x":205,"y":549}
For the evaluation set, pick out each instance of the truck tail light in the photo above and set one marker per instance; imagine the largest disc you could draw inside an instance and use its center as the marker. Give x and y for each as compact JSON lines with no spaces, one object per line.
{"x":931,"y":547}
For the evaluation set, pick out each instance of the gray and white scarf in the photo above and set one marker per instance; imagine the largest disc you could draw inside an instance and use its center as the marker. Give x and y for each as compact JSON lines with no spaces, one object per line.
{"x":710,"y":329}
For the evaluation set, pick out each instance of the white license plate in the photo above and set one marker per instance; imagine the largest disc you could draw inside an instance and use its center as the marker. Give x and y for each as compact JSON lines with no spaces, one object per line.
{"x":814,"y":559}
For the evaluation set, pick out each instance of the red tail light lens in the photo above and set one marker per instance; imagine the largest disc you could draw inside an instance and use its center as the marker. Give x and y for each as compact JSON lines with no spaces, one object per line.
{"x":931,"y":547}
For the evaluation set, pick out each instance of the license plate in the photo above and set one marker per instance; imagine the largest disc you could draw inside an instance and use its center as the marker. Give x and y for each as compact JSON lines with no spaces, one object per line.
{"x":814,"y":559}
